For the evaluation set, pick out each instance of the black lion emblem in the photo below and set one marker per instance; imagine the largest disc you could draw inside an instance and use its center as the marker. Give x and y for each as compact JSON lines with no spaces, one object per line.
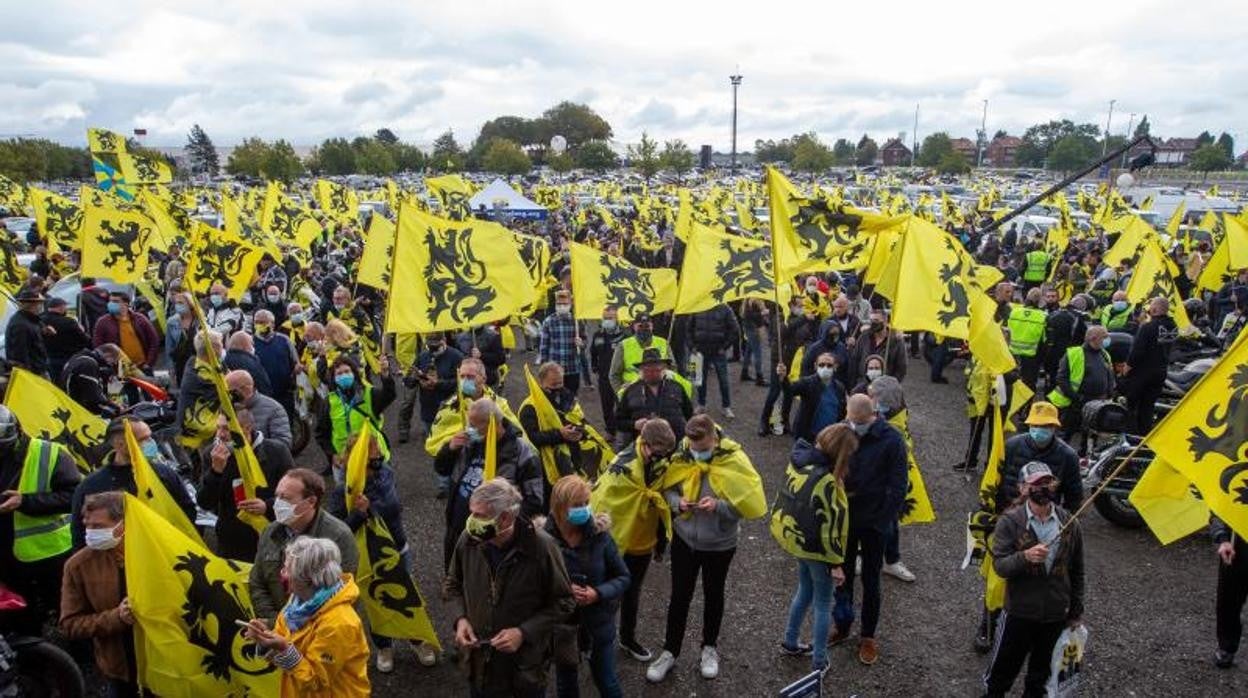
{"x":747,"y":271}
{"x":627,"y":288}
{"x":956,"y":301}
{"x":218,"y":260}
{"x":124,"y":242}
{"x":209,"y":614}
{"x":455,"y":277}
{"x":822,"y":226}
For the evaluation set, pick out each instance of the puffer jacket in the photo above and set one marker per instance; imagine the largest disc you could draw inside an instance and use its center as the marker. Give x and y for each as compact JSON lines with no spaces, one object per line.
{"x":598,"y":564}
{"x":1031,"y":592}
{"x":333,"y":651}
{"x":713,"y":331}
{"x":1061,"y":459}
{"x":528,"y":589}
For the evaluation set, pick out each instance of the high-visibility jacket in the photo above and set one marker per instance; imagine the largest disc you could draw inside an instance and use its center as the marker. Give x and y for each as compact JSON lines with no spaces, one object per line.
{"x":1037,"y":268}
{"x":1026,"y":329}
{"x":1074,"y":361}
{"x":1116,"y":321}
{"x":345,"y":420}
{"x":632,"y":353}
{"x":39,"y":537}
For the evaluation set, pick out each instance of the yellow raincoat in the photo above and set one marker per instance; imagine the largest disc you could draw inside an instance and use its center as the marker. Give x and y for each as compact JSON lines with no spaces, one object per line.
{"x":333,"y":648}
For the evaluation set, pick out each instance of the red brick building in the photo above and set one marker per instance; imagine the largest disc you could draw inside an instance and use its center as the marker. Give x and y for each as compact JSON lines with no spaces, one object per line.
{"x":1001,"y":151}
{"x":965,"y":146}
{"x":894,"y":154}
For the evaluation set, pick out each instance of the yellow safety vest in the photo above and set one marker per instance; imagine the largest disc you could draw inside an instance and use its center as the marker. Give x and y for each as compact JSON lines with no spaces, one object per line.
{"x":632,"y":355}
{"x":1074,"y":362}
{"x":1026,"y":330}
{"x":39,"y":537}
{"x":1037,"y":266}
{"x":345,"y":421}
{"x":1116,"y":321}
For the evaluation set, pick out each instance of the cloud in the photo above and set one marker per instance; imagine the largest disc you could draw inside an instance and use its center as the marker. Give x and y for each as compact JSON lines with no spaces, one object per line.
{"x":320,"y":68}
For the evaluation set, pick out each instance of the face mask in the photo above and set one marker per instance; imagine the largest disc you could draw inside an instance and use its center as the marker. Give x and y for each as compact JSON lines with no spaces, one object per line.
{"x":644,"y":336}
{"x":860,"y":429}
{"x":468,"y":386}
{"x":150,"y":449}
{"x":264,"y":330}
{"x":283,"y":511}
{"x":562,"y":309}
{"x":812,"y":290}
{"x":315,"y":344}
{"x":873,"y":373}
{"x":180,"y":308}
{"x":101,"y":538}
{"x":296,"y":319}
{"x":114,"y":308}
{"x":273,"y":297}
{"x":376,"y":463}
{"x":877,"y":325}
{"x":480,"y":529}
{"x":610,"y":325}
{"x":702,"y":456}
{"x":579,"y":516}
{"x":474,"y":434}
{"x":339,"y":306}
{"x":436,"y":348}
{"x":1041,"y":435}
{"x":1040,"y":495}
{"x":1105,"y":344}
{"x":345,"y":381}
{"x":825,"y":372}
{"x":216,"y":299}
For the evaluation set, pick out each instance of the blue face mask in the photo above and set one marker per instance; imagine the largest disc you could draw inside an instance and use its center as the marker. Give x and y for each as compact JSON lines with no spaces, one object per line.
{"x":345,"y":381}
{"x":150,"y":449}
{"x":473,"y":433}
{"x":1120,"y":306}
{"x":702,"y":456}
{"x":468,"y":386}
{"x":114,"y":308}
{"x":216,"y":299}
{"x":1105,"y":344}
{"x":579,"y":516}
{"x":1041,"y":435}
{"x":180,"y":308}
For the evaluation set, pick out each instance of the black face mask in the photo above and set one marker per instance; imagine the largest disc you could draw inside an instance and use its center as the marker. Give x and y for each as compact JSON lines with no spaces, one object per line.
{"x":375,"y":463}
{"x":877,"y":326}
{"x":236,"y":396}
{"x":1040,"y":495}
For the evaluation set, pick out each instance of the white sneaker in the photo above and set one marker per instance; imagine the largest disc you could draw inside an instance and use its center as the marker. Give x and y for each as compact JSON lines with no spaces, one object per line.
{"x":900,"y":571}
{"x":385,"y":660}
{"x":710,"y":663}
{"x":729,"y":414}
{"x":658,"y":670}
{"x":426,"y":654}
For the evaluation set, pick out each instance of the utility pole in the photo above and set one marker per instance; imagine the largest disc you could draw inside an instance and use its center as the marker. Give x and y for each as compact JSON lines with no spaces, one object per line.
{"x":736,"y":82}
{"x":1130,"y":124}
{"x":915,"y":137}
{"x":983,"y":136}
{"x":1108,"y":120}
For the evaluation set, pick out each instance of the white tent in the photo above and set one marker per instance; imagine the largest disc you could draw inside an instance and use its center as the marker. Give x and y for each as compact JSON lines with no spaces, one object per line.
{"x":500,"y":196}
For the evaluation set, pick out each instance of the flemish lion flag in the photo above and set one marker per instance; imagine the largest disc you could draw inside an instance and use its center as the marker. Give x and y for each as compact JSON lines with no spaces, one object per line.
{"x":600,"y":280}
{"x":115,"y":243}
{"x":186,"y":601}
{"x":453,"y":191}
{"x":917,"y":507}
{"x":375,"y":261}
{"x":220,"y":255}
{"x":592,"y":448}
{"x":394,"y":604}
{"x":450,"y":275}
{"x":339,"y":202}
{"x":12,"y":194}
{"x":720,"y":268}
{"x":286,"y":220}
{"x":49,"y":414}
{"x":57,"y":217}
{"x":1205,"y":437}
{"x":145,"y":169}
{"x":1168,"y":502}
{"x":151,"y":490}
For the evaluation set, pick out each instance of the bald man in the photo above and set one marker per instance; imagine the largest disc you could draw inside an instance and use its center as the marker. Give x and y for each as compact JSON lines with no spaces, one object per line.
{"x":240,"y":354}
{"x":269,"y":415}
{"x":1085,"y":373}
{"x":1148,"y":362}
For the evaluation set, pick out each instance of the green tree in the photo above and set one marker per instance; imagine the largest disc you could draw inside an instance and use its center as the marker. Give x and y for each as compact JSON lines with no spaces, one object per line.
{"x":447,"y":156}
{"x":1227,"y":143}
{"x":1209,"y":158}
{"x":513,"y":128}
{"x":1073,"y":152}
{"x":1141,"y":129}
{"x":561,"y":162}
{"x":677,"y":157}
{"x":596,"y":156}
{"x":575,"y":122}
{"x":1039,"y":140}
{"x":770,"y":151}
{"x":39,"y":159}
{"x":407,"y":157}
{"x":644,"y":157}
{"x":1205,"y":138}
{"x":811,"y":155}
{"x":373,"y":157}
{"x":866,"y":151}
{"x":386,"y":136}
{"x":843,"y":152}
{"x":335,"y":156}
{"x":505,"y":157}
{"x":202,"y":153}
{"x":280,"y":162}
{"x":248,"y":158}
{"x":1114,"y":142}
{"x":934,"y":149}
{"x":953,"y":162}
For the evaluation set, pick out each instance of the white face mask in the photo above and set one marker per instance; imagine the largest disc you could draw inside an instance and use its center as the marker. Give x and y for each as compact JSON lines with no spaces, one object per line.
{"x":825,"y":372}
{"x":873,"y":373}
{"x":563,"y":309}
{"x":102,"y":538}
{"x":283,"y":511}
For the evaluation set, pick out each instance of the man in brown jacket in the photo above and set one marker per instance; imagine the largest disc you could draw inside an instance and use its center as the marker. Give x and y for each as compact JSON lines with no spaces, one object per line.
{"x":93,"y":594}
{"x":507,"y":588}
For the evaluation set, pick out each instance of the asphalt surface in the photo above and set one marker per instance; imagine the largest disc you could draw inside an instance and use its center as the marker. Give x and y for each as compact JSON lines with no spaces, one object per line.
{"x":1149,"y":608}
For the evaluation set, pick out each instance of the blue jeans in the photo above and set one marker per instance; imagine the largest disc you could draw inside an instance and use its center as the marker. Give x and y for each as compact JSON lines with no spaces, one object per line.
{"x":601,"y":665}
{"x":814,"y":585}
{"x":753,"y":352}
{"x":720,"y":362}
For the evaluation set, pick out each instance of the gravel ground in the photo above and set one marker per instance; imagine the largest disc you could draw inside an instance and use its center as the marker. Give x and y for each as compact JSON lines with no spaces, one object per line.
{"x":1149,"y":609}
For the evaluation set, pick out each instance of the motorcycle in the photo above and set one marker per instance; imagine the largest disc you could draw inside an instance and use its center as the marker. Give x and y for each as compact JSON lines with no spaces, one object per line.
{"x":1179,"y":382}
{"x":32,"y":666}
{"x":1105,"y":423}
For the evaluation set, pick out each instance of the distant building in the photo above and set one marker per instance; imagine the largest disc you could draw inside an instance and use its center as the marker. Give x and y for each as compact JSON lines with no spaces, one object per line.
{"x":965,"y":146}
{"x":1242,"y":160}
{"x":894,"y":154}
{"x":1001,"y":151}
{"x":1174,"y":152}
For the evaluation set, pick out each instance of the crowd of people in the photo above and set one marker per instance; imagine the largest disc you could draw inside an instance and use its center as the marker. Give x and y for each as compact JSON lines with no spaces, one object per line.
{"x":547,"y":543}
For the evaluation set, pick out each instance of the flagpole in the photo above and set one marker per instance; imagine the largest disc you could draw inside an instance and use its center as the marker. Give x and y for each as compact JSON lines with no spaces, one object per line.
{"x":1100,"y":488}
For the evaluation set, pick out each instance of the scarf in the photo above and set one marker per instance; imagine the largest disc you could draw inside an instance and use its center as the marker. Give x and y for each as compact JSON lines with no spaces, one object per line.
{"x":298,"y":613}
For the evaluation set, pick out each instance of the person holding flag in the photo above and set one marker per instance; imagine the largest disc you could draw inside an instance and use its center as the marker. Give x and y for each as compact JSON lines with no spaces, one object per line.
{"x":1232,"y":590}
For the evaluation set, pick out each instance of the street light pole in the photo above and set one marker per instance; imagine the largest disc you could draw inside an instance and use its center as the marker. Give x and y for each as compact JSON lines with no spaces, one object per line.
{"x":736,"y":82}
{"x":1108,"y":120}
{"x":1130,"y":124}
{"x":914,"y":138}
{"x":983,"y":136}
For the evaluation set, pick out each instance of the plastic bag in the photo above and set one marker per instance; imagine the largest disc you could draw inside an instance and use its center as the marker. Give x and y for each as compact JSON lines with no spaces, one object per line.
{"x":1066,"y":666}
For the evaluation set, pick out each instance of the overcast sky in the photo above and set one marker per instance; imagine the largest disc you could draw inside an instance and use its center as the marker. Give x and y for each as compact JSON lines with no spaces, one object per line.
{"x":311,"y":70}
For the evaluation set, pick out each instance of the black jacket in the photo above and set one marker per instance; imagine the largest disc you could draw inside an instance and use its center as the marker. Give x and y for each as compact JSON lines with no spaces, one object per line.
{"x":669,"y":401}
{"x":1098,"y":377}
{"x":383,"y":501}
{"x":83,"y":380}
{"x":602,"y":348}
{"x":596,"y":563}
{"x":68,"y":340}
{"x":713,"y":331}
{"x":446,"y":366}
{"x":239,"y":360}
{"x":1150,"y":352}
{"x":810,"y":390}
{"x":121,"y":477}
{"x":567,"y":463}
{"x":490,"y":344}
{"x":1031,"y":593}
{"x":235,"y":539}
{"x":892,"y":350}
{"x":518,"y":462}
{"x":23,"y":343}
{"x":877,"y":478}
{"x":1061,"y":459}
